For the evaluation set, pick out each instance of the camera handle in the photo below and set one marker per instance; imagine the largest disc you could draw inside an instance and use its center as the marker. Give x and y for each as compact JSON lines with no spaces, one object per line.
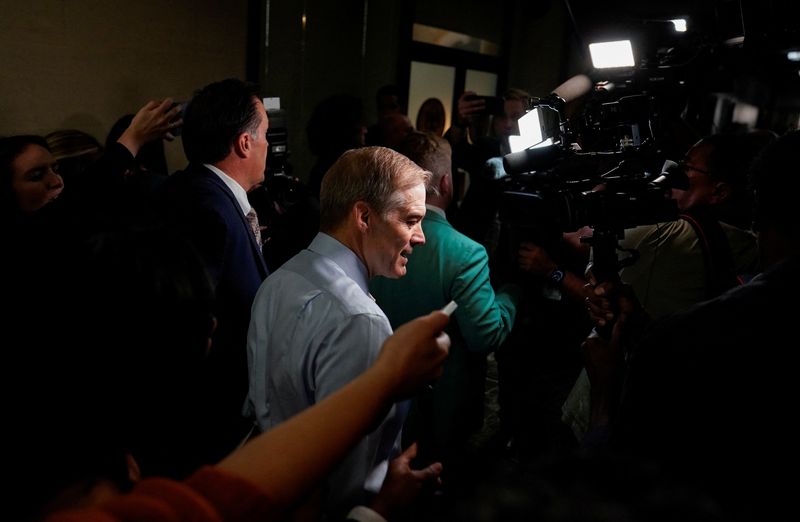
{"x":606,"y":265}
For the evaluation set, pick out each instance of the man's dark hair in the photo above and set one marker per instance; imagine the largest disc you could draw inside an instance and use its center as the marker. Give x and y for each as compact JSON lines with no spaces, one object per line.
{"x":216,"y":115}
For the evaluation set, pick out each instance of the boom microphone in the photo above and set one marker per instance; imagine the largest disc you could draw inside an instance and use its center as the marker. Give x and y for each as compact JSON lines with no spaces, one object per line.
{"x":574,"y":88}
{"x":532,"y":159}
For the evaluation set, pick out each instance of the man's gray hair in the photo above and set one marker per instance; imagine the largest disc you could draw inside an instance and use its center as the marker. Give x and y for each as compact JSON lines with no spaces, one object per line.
{"x":374,"y":175}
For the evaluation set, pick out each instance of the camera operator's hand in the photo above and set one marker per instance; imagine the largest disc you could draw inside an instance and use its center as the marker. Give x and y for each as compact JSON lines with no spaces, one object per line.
{"x":534,"y":259}
{"x":155,"y":120}
{"x":597,"y":301}
{"x":577,"y":241}
{"x":603,"y":357}
{"x":603,"y":299}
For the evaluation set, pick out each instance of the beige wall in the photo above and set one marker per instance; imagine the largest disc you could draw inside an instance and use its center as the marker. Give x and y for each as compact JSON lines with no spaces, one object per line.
{"x":84,"y":63}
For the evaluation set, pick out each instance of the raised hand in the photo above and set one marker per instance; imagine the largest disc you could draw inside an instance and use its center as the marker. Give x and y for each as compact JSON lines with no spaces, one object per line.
{"x":155,"y":120}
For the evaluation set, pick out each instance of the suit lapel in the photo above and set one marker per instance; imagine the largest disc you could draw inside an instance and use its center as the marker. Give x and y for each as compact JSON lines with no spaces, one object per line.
{"x":259,"y":254}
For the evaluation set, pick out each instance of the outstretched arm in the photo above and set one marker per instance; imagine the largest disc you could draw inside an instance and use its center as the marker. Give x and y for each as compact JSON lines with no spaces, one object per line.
{"x":289,"y":460}
{"x":155,"y":120}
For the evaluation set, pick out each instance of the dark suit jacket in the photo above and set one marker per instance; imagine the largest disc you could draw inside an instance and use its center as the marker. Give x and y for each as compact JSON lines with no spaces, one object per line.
{"x":203,"y":208}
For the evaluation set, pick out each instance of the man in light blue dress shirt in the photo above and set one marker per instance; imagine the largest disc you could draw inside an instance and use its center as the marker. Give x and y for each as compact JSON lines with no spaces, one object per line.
{"x":314,"y":326}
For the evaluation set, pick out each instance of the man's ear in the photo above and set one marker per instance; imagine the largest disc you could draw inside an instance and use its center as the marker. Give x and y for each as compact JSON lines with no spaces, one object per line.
{"x":722,"y":192}
{"x":361,"y":214}
{"x":243,"y":145}
{"x":446,"y":186}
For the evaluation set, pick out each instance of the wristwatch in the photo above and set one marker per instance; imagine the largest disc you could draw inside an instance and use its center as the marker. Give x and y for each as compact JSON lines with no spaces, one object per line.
{"x":556,"y":276}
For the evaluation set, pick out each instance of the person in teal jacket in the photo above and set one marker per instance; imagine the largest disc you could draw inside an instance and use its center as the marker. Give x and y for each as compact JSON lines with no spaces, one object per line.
{"x":450,"y":266}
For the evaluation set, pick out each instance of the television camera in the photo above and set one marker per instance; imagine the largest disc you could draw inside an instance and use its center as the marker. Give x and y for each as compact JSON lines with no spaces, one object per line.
{"x":286,"y":209}
{"x":604,"y":169}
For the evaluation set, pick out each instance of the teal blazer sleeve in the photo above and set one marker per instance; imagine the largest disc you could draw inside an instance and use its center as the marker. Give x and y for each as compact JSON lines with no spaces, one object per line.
{"x":484,"y":317}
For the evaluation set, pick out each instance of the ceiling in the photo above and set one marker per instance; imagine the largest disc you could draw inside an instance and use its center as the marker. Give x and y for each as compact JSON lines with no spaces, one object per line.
{"x":731,"y":38}
{"x":716,"y":19}
{"x":764,"y":23}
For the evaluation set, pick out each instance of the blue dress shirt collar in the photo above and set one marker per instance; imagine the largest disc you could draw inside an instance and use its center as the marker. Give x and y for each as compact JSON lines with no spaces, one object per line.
{"x":348,"y":261}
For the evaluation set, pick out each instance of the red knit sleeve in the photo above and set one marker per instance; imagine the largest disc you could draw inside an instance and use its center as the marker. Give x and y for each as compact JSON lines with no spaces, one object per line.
{"x":233,"y":497}
{"x":209,"y":495}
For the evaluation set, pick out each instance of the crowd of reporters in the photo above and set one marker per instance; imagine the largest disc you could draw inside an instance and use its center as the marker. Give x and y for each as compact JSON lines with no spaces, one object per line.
{"x":136,"y":388}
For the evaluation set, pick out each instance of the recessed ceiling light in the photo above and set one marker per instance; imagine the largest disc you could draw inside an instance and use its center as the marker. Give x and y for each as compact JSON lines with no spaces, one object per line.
{"x":680,"y":24}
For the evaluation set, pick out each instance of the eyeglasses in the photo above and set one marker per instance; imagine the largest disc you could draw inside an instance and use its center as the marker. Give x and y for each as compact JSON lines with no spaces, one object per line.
{"x":685,"y":167}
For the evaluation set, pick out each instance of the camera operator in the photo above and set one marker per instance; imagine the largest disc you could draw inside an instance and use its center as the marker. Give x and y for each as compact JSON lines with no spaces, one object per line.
{"x":709,"y":250}
{"x":705,"y":392}
{"x":691,"y":251}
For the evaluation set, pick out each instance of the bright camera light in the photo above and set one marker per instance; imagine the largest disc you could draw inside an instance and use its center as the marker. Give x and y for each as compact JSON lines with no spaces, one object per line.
{"x":517,"y":143}
{"x":530,"y":132}
{"x":612,"y":54}
{"x":680,"y":24}
{"x":537,"y":128}
{"x":793,"y":56}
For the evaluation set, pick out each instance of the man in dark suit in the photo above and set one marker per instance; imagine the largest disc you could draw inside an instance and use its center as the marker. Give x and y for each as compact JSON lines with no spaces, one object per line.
{"x":225,"y":141}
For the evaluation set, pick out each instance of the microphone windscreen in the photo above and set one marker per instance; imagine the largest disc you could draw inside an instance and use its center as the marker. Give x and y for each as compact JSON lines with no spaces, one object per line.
{"x":574,"y":88}
{"x":531,"y":159}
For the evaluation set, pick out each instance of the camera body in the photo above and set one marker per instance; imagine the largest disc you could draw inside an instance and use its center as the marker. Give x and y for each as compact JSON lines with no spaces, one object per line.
{"x":624,"y":197}
{"x":278,"y":138}
{"x":603,"y":170}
